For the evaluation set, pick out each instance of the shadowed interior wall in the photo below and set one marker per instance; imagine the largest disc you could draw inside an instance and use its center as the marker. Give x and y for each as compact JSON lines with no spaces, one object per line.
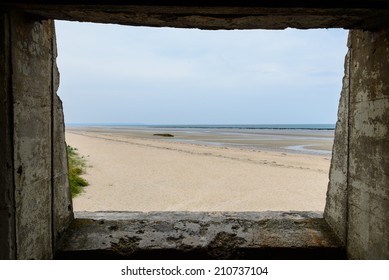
{"x":358,"y":195}
{"x":31,"y":90}
{"x":62,"y":201}
{"x":37,"y":162}
{"x":7,"y":206}
{"x":336,"y":204}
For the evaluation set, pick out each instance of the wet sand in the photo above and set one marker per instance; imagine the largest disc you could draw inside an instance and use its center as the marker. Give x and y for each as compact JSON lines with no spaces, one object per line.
{"x":136,"y":171}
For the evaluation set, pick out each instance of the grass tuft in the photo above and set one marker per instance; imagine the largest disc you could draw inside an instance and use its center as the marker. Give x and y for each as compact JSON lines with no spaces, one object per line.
{"x":77,"y":166}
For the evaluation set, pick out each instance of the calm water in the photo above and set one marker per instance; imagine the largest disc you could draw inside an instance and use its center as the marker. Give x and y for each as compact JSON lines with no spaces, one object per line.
{"x":254,"y":126}
{"x":314,"y":139}
{"x":212,"y":126}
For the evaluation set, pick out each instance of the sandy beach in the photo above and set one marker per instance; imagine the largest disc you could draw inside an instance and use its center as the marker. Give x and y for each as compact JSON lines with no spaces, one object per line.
{"x":132,"y":172}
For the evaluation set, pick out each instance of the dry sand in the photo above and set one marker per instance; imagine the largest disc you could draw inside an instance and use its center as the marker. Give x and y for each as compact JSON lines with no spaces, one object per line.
{"x":134,"y":174}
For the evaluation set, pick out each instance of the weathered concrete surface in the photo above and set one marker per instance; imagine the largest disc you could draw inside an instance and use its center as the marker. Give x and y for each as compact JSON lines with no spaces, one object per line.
{"x":336,"y":205}
{"x":7,"y":205}
{"x":368,"y":213}
{"x":358,"y":195}
{"x":62,"y":201}
{"x":31,"y":88}
{"x":218,"y":235}
{"x":35,"y":203}
{"x":217,"y":15}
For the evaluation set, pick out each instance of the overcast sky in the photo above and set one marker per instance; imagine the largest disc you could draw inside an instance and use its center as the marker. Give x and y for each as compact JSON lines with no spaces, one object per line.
{"x":122,"y":74}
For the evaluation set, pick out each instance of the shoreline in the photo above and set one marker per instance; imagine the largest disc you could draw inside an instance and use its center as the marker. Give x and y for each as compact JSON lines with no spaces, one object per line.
{"x":299,"y":141}
{"x":131,"y":173}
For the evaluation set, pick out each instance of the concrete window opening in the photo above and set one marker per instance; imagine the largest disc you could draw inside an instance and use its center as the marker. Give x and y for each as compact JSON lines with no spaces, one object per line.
{"x":186,"y":81}
{"x":36,"y":214}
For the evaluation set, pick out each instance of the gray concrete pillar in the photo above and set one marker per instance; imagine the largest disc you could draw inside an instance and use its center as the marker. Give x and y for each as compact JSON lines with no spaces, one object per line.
{"x":358,"y":194}
{"x":34,"y":194}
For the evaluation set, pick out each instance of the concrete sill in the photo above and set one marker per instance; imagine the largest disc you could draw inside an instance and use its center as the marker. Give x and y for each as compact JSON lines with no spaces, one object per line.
{"x":199,"y":235}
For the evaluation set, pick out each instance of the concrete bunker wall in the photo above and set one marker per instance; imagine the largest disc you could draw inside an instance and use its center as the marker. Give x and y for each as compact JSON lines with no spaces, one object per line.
{"x":35,"y":198}
{"x":35,"y":204}
{"x":357,"y":205}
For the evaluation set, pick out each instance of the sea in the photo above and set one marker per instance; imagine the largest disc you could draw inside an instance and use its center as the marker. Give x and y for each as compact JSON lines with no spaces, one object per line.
{"x":211,"y":126}
{"x":314,"y":139}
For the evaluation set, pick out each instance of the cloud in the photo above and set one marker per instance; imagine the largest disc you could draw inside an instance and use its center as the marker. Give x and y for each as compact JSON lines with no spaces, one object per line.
{"x":247,"y":76}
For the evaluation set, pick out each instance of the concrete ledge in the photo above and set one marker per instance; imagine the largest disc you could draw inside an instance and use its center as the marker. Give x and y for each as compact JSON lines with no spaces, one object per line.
{"x":229,"y":14}
{"x":199,"y":235}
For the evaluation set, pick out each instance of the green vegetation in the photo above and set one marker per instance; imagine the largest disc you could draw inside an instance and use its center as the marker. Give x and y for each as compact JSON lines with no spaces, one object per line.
{"x":77,"y":166}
